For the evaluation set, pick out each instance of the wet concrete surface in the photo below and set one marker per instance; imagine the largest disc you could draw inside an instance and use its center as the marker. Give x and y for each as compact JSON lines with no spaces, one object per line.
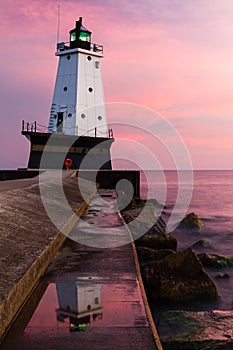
{"x":29,"y":240}
{"x":93,"y":299}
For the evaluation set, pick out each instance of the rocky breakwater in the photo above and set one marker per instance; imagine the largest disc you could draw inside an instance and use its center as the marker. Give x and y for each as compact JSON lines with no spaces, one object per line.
{"x":174,"y":277}
{"x":178,"y":277}
{"x":168,"y":275}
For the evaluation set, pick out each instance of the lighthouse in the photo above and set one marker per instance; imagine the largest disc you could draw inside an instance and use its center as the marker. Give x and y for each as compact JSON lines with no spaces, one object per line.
{"x":78,"y":100}
{"x":78,"y":115}
{"x":80,"y":304}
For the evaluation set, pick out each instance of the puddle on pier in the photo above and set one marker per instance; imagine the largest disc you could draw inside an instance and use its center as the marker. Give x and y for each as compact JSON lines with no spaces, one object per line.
{"x":69,"y":308}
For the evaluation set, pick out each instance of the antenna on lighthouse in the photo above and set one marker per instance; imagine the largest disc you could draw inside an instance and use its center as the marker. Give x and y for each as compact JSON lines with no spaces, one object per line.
{"x":58,"y":23}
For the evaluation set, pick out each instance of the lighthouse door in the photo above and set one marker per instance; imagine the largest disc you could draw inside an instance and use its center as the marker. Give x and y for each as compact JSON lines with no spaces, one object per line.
{"x":60,"y":122}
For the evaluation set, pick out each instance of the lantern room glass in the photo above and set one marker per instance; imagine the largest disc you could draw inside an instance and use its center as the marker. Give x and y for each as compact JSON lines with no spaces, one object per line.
{"x":84,"y":36}
{"x":73,"y":36}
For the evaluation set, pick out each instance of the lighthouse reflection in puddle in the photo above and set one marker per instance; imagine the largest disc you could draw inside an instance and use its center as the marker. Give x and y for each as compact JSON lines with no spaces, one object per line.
{"x":79,"y":304}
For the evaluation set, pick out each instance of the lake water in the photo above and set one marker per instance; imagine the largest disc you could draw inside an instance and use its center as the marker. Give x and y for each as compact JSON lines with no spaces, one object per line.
{"x":212,"y":201}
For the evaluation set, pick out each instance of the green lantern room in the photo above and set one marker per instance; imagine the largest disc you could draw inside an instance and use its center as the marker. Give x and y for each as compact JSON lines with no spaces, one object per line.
{"x":80,"y":36}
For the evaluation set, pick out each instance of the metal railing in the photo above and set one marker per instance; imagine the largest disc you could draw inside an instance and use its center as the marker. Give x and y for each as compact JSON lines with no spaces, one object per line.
{"x":63,"y":46}
{"x":38,"y":128}
{"x":29,"y":127}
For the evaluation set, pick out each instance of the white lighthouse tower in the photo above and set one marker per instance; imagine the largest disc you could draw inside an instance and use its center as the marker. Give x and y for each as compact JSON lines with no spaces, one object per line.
{"x":79,"y":303}
{"x":77,"y":125}
{"x":78,"y":100}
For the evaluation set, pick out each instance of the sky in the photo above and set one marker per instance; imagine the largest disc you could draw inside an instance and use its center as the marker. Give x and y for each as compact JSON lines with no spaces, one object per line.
{"x":171,"y":58}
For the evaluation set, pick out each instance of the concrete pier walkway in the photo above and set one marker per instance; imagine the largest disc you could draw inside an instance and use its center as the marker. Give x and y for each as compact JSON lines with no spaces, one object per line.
{"x":28,"y":239}
{"x":116,"y":316}
{"x":93,"y":293}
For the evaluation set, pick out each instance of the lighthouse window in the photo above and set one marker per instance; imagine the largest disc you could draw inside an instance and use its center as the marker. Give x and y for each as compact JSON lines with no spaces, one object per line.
{"x":89,"y":58}
{"x":72,"y":36}
{"x":99,"y":117}
{"x":84,"y":36}
{"x":68,"y":57}
{"x":97,"y":64}
{"x":69,"y":115}
{"x":55,"y":116}
{"x":83,"y":116}
{"x":90,"y":89}
{"x":65,"y":88}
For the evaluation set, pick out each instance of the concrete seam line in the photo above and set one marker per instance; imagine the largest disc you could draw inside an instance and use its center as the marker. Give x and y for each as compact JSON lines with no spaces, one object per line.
{"x":144,"y":296}
{"x":35,"y":272}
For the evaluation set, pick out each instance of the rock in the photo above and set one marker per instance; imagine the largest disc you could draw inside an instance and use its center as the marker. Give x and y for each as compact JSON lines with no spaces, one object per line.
{"x":149,"y":230}
{"x":155,"y":203}
{"x":147,"y":254}
{"x":202,"y":330}
{"x":126,"y":202}
{"x":142,"y":217}
{"x":191,"y":221}
{"x":222,"y":276}
{"x":178,"y":277}
{"x":137,"y":202}
{"x":124,"y":199}
{"x":216,"y":261}
{"x":206,"y":259}
{"x":158,"y":241}
{"x":202,"y":243}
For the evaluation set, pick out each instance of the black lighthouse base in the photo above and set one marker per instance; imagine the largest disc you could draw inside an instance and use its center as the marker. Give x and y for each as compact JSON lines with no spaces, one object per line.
{"x":49,"y":151}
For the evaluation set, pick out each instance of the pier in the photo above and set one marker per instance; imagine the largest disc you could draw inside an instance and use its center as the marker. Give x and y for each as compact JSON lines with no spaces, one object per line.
{"x":120,"y":319}
{"x":69,"y":268}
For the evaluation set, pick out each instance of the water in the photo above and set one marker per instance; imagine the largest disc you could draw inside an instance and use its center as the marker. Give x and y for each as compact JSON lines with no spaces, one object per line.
{"x":212,"y":201}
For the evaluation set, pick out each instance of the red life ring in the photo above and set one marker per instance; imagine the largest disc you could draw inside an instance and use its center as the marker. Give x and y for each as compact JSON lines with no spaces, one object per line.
{"x":68,"y":162}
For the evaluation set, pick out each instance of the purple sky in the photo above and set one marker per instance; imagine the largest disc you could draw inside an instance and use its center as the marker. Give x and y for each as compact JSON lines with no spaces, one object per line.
{"x":173,"y":56}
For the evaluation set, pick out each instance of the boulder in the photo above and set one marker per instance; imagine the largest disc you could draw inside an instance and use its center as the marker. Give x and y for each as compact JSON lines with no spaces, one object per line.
{"x":178,"y":277}
{"x":147,"y":254}
{"x":137,"y":202}
{"x":124,"y":199}
{"x":125,"y":202}
{"x":157,"y":241}
{"x":222,"y":276}
{"x":202,"y":243}
{"x":191,"y":221}
{"x":142,"y":217}
{"x":149,"y":230}
{"x":216,"y":261}
{"x":156,"y":204}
